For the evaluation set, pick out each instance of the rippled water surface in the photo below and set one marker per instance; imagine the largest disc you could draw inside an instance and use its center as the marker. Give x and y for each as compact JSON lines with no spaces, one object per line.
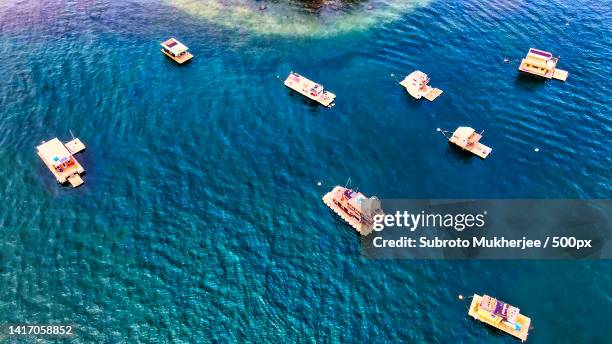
{"x":200,"y":218}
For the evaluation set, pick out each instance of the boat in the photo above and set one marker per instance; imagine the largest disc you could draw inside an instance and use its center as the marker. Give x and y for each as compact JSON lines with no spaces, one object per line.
{"x":543,"y":64}
{"x":354,"y":208}
{"x":500,"y":315}
{"x":310,"y":89}
{"x":176,"y":50}
{"x":468,"y":139}
{"x":60,"y":160}
{"x":417,"y":85}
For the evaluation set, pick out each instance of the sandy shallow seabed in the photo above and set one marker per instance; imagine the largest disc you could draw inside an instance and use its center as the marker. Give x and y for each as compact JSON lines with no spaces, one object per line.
{"x":296,"y":18}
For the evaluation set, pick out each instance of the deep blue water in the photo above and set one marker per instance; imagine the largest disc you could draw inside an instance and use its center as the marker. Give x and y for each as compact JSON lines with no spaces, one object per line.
{"x":200,"y":219}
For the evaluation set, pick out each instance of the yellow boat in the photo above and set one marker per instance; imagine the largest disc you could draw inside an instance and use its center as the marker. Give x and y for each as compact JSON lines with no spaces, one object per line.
{"x":543,"y":64}
{"x":500,"y":315}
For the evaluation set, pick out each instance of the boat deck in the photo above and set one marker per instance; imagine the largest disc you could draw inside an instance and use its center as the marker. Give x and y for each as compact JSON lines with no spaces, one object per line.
{"x":68,"y":172}
{"x":179,"y":59}
{"x":496,"y":321}
{"x":75,"y":180}
{"x":75,"y":146}
{"x":479,"y":149}
{"x":433,"y":94}
{"x":303,"y":86}
{"x":358,"y":226}
{"x":475,"y":147}
{"x":560,"y":74}
{"x":524,"y":67}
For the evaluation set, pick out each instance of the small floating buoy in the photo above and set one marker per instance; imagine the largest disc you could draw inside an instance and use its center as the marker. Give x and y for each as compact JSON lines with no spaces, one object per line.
{"x":536,"y":149}
{"x":318,"y":183}
{"x":460,"y":297}
{"x":506,"y":60}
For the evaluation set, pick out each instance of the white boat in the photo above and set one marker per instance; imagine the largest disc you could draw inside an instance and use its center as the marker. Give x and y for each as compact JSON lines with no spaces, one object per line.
{"x":310,"y":89}
{"x":176,"y":50}
{"x":417,"y":85}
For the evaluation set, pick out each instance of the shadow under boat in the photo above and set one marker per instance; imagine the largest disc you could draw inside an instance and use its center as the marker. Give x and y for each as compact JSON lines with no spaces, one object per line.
{"x":492,"y":330}
{"x":529,"y":81}
{"x":460,"y":154}
{"x":312,"y":105}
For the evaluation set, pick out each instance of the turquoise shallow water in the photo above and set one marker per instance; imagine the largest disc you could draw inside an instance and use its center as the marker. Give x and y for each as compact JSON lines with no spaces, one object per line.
{"x":201,"y":219}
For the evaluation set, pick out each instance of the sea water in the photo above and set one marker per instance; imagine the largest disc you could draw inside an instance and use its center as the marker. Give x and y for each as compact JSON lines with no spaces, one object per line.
{"x":201,"y":218}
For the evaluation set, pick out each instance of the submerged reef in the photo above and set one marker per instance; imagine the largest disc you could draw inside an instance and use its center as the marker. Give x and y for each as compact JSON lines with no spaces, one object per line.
{"x":298,"y":17}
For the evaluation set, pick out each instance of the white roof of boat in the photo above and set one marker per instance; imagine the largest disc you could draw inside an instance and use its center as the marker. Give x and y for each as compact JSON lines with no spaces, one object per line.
{"x":53,"y":151}
{"x":414,"y":79}
{"x":174,"y":46}
{"x":417,"y":74}
{"x":462,"y":133}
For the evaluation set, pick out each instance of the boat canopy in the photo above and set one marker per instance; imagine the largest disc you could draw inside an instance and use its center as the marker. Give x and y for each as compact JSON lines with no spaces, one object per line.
{"x":502,"y":309}
{"x":539,"y":54}
{"x":54,"y":152}
{"x":367,"y":207}
{"x":537,"y":62}
{"x":418,"y":76}
{"x":462,"y":134}
{"x":174,"y":47}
